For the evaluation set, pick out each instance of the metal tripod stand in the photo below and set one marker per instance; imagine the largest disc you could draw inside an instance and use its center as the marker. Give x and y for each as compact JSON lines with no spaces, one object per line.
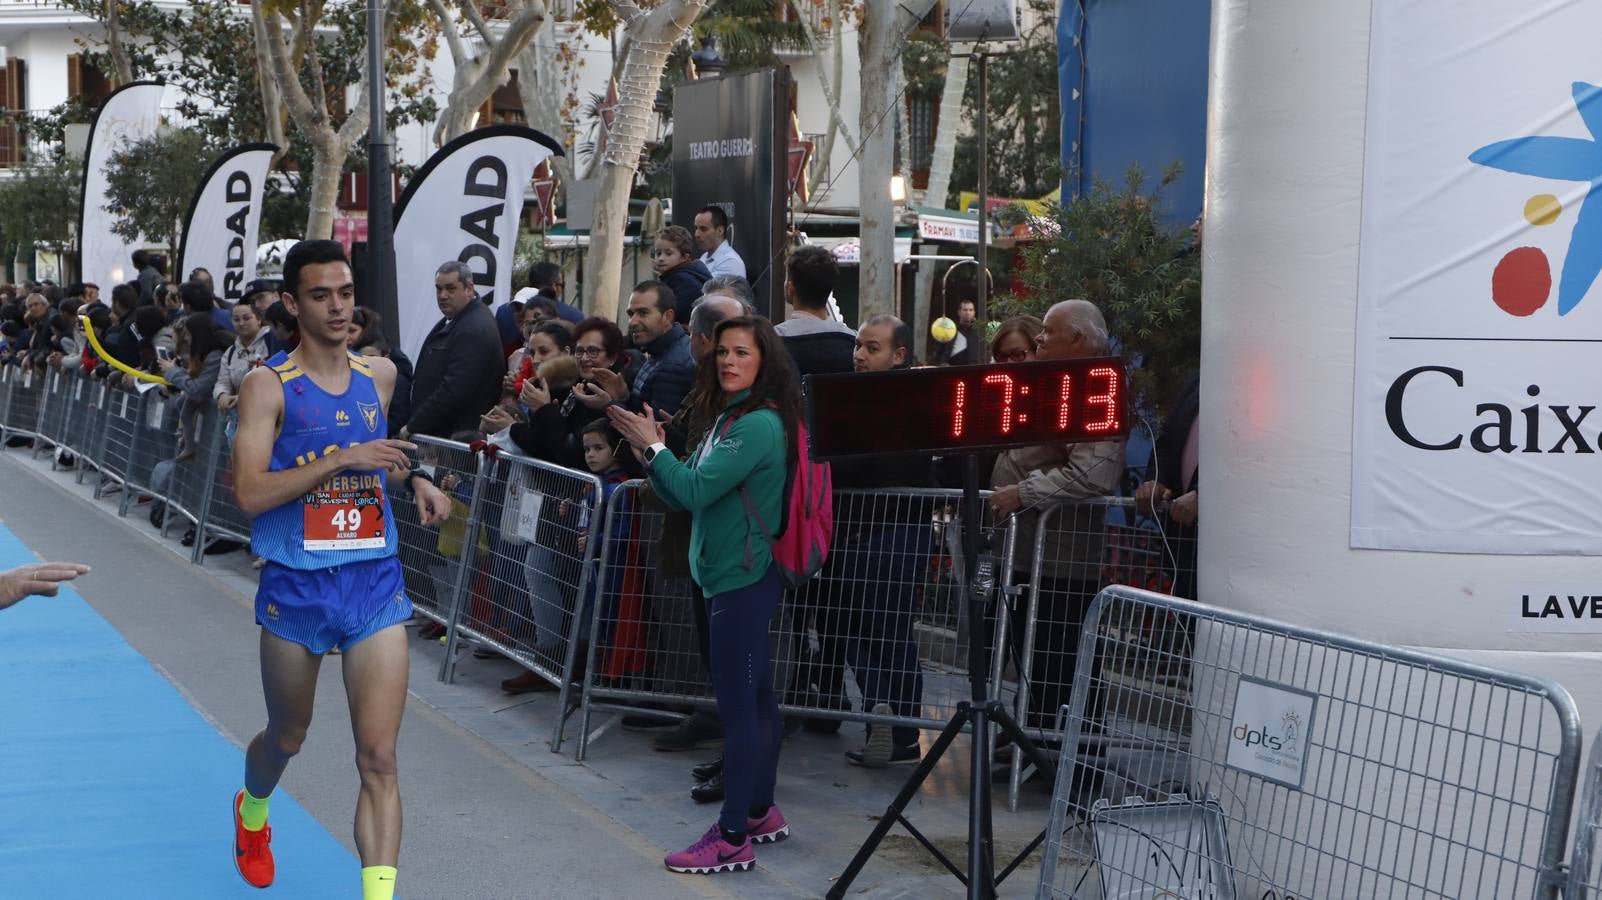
{"x":980,"y":711}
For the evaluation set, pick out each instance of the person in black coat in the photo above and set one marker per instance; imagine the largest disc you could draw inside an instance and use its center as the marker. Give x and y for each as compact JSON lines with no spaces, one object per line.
{"x":460,"y":366}
{"x":674,"y":260}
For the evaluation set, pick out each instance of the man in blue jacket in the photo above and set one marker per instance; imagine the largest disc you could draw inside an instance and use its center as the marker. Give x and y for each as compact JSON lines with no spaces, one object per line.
{"x":669,"y":369}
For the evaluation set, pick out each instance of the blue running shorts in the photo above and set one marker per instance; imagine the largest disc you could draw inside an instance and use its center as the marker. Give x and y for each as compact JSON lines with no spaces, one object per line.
{"x":321,"y":609}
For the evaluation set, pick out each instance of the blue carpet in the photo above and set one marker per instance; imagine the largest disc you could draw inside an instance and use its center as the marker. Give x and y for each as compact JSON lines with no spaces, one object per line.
{"x":112,"y":785}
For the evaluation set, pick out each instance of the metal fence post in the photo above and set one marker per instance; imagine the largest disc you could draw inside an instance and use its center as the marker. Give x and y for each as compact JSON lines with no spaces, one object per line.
{"x":138,"y":437}
{"x":447,"y":666}
{"x":607,"y":549}
{"x":601,"y":515}
{"x":5,"y":403}
{"x":213,"y":449}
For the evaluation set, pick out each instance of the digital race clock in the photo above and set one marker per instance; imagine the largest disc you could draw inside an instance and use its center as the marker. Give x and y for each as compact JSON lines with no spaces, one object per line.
{"x":966,"y":408}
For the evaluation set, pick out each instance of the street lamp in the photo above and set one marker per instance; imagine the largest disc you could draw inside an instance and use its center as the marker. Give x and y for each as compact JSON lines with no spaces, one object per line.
{"x":708,"y":61}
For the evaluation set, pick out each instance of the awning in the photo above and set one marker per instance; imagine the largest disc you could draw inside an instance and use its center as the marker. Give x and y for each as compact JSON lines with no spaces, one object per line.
{"x":847,"y":251}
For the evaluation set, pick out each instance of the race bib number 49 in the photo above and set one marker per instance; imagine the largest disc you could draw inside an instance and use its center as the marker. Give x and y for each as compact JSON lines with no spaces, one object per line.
{"x":346,"y":513}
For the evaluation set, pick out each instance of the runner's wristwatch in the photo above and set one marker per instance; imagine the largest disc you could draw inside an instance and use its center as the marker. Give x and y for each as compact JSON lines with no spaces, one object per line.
{"x":417,"y":473}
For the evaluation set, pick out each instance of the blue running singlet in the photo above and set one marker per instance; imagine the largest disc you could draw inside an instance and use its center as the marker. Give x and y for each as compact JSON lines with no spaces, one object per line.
{"x":347,"y":519}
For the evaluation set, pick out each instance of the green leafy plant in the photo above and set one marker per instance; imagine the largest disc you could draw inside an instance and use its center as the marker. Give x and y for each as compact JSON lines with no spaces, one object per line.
{"x":39,"y":205}
{"x":1111,"y":246}
{"x":151,"y":182}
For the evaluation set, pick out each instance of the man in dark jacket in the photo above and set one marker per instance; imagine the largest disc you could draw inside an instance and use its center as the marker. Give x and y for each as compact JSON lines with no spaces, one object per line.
{"x":816,"y":342}
{"x":1175,"y":475}
{"x":669,"y":369}
{"x":460,"y":367}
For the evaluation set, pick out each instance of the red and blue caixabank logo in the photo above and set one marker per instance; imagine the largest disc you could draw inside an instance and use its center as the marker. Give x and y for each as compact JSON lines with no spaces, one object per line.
{"x":1521,"y":283}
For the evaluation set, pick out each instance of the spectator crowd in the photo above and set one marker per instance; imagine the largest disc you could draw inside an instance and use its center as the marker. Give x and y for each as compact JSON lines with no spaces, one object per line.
{"x":538,"y":377}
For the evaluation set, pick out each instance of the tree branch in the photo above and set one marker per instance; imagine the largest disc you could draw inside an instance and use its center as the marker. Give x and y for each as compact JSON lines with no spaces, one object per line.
{"x":295,"y":100}
{"x":447,"y":25}
{"x":476,"y":19}
{"x":314,"y":61}
{"x":119,"y":56}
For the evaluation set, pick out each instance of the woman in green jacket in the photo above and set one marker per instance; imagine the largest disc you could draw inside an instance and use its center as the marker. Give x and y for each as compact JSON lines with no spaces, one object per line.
{"x":750,"y":389}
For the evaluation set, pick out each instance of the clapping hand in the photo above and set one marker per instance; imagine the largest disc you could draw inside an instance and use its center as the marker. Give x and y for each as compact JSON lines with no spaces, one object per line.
{"x":641,"y":431}
{"x":494,"y":421}
{"x":535,"y":395}
{"x":591,"y":395}
{"x":612,"y":383}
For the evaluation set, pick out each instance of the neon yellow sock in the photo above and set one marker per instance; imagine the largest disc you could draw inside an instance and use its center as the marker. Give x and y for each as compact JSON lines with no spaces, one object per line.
{"x":378,"y":883}
{"x":253,"y":812}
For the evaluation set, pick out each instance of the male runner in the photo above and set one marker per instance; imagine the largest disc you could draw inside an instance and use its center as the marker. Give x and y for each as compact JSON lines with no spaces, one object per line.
{"x":310,"y":467}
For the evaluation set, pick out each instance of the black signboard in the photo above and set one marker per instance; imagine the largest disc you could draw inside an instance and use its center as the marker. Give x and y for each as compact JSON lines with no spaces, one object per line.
{"x":730,"y":149}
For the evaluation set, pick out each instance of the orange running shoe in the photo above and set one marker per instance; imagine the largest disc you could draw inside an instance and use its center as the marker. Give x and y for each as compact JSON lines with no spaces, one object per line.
{"x":253,"y":856}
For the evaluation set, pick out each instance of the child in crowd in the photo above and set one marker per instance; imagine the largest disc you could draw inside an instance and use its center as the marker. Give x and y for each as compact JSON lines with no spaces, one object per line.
{"x":621,"y":584}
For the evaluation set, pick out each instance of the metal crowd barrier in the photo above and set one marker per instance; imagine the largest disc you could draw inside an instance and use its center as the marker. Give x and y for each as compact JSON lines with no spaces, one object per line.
{"x":122,"y":411}
{"x":1076,"y":550}
{"x":54,"y":408}
{"x":882,"y":624}
{"x":24,"y":401}
{"x":1296,"y":763}
{"x":1585,"y":865}
{"x":528,"y":578}
{"x":433,"y":560}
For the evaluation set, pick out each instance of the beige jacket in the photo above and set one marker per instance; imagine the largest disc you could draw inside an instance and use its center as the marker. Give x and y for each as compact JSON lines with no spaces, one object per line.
{"x":1056,"y":477}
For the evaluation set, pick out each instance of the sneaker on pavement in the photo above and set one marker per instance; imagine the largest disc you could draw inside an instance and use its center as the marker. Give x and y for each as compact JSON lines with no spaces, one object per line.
{"x":253,"y":855}
{"x":712,"y":854}
{"x":899,"y":756}
{"x":697,"y":732}
{"x":877,"y":748}
{"x":650,"y":722}
{"x":709,"y":791}
{"x":526,"y":683}
{"x":769,"y":829}
{"x":708,"y":770}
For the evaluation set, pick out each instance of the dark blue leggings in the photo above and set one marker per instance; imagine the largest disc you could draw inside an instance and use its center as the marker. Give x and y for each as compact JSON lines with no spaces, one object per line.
{"x":742,"y":676}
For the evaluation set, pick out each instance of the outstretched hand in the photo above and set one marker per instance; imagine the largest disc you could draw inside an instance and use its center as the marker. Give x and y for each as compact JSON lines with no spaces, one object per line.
{"x":433,"y":506}
{"x":384,"y":453}
{"x":43,"y":579}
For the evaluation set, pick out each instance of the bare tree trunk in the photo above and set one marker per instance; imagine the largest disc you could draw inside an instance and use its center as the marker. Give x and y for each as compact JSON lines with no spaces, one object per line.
{"x":477,"y":77}
{"x":539,"y":83}
{"x":821,"y":176}
{"x":119,"y":56}
{"x":945,"y":154}
{"x":331,"y":144}
{"x":327,"y":167}
{"x":272,"y":99}
{"x":876,"y":160}
{"x":651,"y":35}
{"x":884,"y":36}
{"x":947,"y":126}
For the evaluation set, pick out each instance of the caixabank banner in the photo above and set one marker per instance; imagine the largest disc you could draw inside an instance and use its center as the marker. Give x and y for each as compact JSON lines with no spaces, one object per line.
{"x":1479,"y":322}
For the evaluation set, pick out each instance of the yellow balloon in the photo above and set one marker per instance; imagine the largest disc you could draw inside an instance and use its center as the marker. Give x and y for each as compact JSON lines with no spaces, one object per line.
{"x":943,"y":330}
{"x":112,"y":361}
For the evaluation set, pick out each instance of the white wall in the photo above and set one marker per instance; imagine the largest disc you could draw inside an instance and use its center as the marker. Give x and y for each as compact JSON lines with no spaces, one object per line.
{"x":812,"y":109}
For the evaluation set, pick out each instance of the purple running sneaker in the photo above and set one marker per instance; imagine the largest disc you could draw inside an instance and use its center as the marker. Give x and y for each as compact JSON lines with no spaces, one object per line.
{"x":712,"y":854}
{"x":768,"y":829}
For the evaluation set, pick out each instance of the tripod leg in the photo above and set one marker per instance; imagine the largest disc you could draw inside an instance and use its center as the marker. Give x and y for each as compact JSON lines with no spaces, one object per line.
{"x":981,"y":849}
{"x":893,"y":813}
{"x":1003,"y":719}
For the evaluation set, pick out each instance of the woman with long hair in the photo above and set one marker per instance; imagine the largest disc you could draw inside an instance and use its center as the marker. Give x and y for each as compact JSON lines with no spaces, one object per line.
{"x":742,"y":462}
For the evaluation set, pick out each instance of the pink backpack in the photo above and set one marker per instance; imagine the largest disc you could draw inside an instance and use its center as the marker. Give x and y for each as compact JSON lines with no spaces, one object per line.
{"x":801,"y":546}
